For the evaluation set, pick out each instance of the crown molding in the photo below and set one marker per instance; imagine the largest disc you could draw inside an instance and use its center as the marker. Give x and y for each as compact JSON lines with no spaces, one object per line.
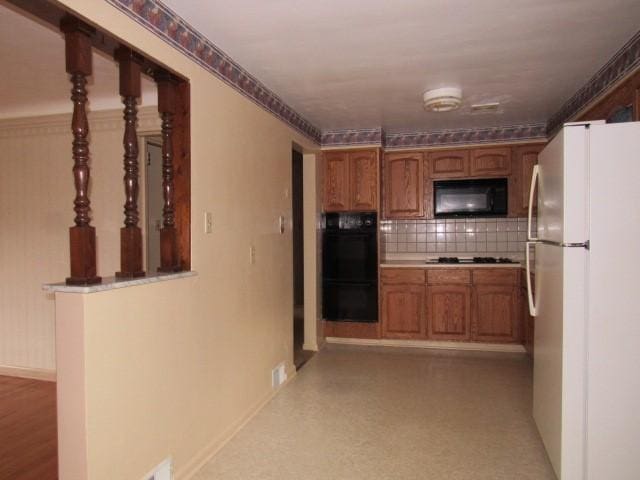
{"x":466,"y":136}
{"x":620,"y":66}
{"x":173,"y":29}
{"x":60,"y":124}
{"x":438,"y":138}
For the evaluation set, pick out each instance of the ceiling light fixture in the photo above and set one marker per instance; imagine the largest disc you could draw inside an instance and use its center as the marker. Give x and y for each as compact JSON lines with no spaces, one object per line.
{"x":442,"y":99}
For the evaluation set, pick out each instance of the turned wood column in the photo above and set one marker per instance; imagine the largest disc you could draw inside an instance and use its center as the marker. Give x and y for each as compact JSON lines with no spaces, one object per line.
{"x":130,"y":234}
{"x":82,"y":236}
{"x":167,"y":87}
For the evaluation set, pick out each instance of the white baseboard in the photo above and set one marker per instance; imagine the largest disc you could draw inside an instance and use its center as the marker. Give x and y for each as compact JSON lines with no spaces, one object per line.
{"x":207,"y":453}
{"x":310,"y":346}
{"x":431,"y":344}
{"x":31,"y":373}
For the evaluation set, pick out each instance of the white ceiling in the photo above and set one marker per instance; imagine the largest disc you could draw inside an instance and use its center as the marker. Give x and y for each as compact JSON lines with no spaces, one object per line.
{"x":33,"y":77}
{"x":360,"y":64}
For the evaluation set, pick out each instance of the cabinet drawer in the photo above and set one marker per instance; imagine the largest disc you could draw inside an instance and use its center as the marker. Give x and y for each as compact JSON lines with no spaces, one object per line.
{"x":402,"y":275}
{"x":448,"y":276}
{"x":496,"y":276}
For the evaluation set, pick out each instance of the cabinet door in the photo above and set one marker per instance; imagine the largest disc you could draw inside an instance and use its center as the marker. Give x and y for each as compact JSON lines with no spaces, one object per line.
{"x":496,"y":315}
{"x":336,"y":182}
{"x":525,"y":158}
{"x":404,"y":186}
{"x":449,"y":312}
{"x":448,"y":163}
{"x":364,"y":180}
{"x":490,"y":162}
{"x":402,"y":307}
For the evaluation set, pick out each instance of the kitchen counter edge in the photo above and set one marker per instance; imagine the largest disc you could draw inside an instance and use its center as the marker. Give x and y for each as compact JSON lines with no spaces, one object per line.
{"x":422,"y":264}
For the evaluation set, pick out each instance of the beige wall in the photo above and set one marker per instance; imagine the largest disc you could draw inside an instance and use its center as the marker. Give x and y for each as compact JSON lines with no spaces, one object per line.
{"x":173,"y":368}
{"x":36,"y":195}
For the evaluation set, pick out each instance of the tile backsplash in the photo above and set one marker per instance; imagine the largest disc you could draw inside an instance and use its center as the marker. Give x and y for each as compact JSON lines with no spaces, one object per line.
{"x":497,"y":237}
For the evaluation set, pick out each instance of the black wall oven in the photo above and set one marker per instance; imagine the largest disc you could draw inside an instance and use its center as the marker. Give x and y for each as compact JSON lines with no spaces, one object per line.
{"x":350,"y":267}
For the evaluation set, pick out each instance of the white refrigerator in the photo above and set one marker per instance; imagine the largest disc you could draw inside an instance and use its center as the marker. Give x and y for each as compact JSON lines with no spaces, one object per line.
{"x":586,"y":301}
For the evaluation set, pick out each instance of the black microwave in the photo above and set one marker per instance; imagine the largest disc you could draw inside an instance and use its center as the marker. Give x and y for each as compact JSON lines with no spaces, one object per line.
{"x":470,"y":198}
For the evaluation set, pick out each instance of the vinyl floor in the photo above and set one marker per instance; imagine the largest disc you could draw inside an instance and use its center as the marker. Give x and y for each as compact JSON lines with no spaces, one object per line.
{"x":371,"y":413}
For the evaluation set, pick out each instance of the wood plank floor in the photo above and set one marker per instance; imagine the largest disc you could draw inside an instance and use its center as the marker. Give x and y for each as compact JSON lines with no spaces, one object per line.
{"x":28,"y":430}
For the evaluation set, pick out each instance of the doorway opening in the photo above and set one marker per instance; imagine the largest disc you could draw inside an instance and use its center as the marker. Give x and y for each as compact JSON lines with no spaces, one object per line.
{"x":300,"y":356}
{"x":153,"y":200}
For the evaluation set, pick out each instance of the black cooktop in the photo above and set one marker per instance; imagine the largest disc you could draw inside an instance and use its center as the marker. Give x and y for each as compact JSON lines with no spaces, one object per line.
{"x":472,"y":260}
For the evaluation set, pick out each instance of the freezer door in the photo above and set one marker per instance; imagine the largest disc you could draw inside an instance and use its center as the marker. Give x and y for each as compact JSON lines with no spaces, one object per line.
{"x":562,"y":187}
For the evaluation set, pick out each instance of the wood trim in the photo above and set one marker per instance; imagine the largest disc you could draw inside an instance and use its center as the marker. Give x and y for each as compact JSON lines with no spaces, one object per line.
{"x":28,"y":372}
{"x":430,"y":344}
{"x":351,"y":329}
{"x":182,"y":174}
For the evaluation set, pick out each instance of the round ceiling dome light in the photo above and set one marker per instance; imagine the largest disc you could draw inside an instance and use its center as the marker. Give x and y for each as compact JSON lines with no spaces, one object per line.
{"x":442,"y":99}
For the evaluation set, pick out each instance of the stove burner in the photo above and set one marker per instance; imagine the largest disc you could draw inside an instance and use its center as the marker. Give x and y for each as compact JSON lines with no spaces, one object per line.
{"x":448,"y":260}
{"x":474,"y":260}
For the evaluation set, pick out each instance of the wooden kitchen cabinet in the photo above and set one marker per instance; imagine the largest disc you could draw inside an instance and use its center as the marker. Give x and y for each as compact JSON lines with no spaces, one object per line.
{"x":350,"y":181}
{"x":363,"y":175}
{"x":403,"y":185}
{"x":448,"y":163}
{"x":524,"y":159}
{"x":448,"y":312}
{"x":402,"y":311}
{"x":464,"y":304}
{"x":490,"y":162}
{"x":336,"y":182}
{"x":496,"y":313}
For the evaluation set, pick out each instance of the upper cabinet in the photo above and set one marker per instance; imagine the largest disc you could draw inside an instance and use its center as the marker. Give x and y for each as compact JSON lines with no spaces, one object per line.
{"x":448,"y":163}
{"x":490,"y":162}
{"x":403,"y":185}
{"x":336,"y":182}
{"x":364,"y":180}
{"x":525,"y":158}
{"x":350,"y":181}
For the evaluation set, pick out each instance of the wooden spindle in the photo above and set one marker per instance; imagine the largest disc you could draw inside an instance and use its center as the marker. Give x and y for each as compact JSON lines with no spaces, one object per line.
{"x":82,"y":236}
{"x":167,"y":108}
{"x":130,"y":234}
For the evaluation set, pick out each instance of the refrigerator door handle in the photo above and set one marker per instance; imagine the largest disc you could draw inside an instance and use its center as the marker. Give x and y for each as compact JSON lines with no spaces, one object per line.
{"x":532,"y":191}
{"x":533,"y":311}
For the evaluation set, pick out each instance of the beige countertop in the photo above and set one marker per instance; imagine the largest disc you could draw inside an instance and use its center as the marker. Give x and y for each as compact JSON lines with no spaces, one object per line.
{"x":423,"y":264}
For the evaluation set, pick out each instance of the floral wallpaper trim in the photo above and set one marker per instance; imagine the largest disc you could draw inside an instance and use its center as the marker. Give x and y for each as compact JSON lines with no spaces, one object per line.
{"x":625,"y":61}
{"x":168,"y":25}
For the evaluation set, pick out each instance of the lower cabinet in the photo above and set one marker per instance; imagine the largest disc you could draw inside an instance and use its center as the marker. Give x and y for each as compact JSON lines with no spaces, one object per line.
{"x":478,"y":305}
{"x":449,"y":312}
{"x":496,"y":313}
{"x":402,"y":307}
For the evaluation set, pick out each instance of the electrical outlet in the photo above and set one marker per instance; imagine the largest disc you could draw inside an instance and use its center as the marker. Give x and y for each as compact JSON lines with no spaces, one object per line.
{"x":208,"y":222}
{"x":252,"y":255}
